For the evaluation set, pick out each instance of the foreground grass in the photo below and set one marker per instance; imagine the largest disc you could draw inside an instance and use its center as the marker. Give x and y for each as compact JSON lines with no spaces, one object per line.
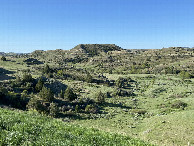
{"x":23,"y":128}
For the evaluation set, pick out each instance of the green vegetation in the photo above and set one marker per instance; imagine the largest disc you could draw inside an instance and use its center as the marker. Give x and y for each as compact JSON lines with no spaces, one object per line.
{"x":21,"y":128}
{"x":144,"y":94}
{"x":3,"y":58}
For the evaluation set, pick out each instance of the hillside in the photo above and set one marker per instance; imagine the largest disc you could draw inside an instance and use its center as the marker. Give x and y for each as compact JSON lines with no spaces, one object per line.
{"x":145,"y":94}
{"x":22,"y":128}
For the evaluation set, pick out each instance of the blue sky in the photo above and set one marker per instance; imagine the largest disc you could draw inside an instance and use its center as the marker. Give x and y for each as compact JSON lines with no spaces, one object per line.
{"x":28,"y":25}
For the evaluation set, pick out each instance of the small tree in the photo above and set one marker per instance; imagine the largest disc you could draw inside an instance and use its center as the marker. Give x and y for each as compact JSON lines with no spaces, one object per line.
{"x":69,"y":94}
{"x":46,"y":94}
{"x":39,"y":85}
{"x":3,"y":58}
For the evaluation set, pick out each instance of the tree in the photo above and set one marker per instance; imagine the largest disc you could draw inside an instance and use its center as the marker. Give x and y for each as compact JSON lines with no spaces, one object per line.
{"x":39,"y":85}
{"x":3,"y":58}
{"x":69,"y":94}
{"x":46,"y":94}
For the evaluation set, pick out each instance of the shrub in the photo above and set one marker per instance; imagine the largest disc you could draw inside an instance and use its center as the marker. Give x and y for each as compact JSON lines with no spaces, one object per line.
{"x":27,"y":77}
{"x":77,"y":108}
{"x":18,"y":79}
{"x":37,"y":104}
{"x":88,"y":78}
{"x":61,"y":94}
{"x":138,"y":111}
{"x":53,"y":110}
{"x":100,"y":97}
{"x":69,"y":94}
{"x":3,"y":58}
{"x":120,"y":82}
{"x":184,"y":75}
{"x":46,"y":69}
{"x":179,"y":104}
{"x":39,"y":85}
{"x":91,"y":109}
{"x":46,"y":94}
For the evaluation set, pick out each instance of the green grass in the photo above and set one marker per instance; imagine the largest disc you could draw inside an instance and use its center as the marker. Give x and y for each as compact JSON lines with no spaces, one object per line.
{"x":178,"y":126}
{"x":24,"y":128}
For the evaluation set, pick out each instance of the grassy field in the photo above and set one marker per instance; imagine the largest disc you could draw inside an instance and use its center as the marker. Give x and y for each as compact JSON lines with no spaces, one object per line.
{"x":22,"y":128}
{"x":150,"y":115}
{"x":160,"y":113}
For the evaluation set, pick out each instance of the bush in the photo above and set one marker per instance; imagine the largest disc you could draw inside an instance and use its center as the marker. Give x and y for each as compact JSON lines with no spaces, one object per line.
{"x":77,"y":109}
{"x":138,"y":111}
{"x":3,"y":58}
{"x":89,"y":78}
{"x":69,"y":94}
{"x":91,"y":109}
{"x":18,"y":80}
{"x":122,"y":82}
{"x":100,"y":97}
{"x":53,"y":110}
{"x":61,"y":94}
{"x":179,"y":104}
{"x":39,"y":85}
{"x":27,"y":77}
{"x":46,"y":69}
{"x":46,"y":94}
{"x":36,"y":104}
{"x":184,"y":75}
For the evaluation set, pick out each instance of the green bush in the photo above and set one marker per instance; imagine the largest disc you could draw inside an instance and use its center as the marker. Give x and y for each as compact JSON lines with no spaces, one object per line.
{"x":38,"y":105}
{"x":88,"y":78}
{"x":53,"y":110}
{"x":3,"y":58}
{"x":39,"y":85}
{"x":100,"y":97}
{"x":91,"y":109}
{"x":46,"y":94}
{"x":46,"y":69}
{"x":27,"y":77}
{"x":61,"y":94}
{"x":69,"y":94}
{"x":185,"y":75}
{"x":178,"y":104}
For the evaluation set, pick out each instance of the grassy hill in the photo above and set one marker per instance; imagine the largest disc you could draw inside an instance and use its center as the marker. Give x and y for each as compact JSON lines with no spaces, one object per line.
{"x":22,"y":128}
{"x":144,"y":94}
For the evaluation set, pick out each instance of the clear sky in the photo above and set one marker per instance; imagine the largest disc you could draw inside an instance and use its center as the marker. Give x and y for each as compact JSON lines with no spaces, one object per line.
{"x":28,"y":25}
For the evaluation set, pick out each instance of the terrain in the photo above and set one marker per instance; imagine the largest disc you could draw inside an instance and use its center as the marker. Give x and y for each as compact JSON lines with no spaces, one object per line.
{"x":144,"y":94}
